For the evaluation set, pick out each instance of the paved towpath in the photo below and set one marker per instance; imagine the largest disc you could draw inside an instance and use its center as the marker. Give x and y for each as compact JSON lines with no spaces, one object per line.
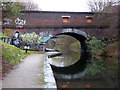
{"x":28,"y":74}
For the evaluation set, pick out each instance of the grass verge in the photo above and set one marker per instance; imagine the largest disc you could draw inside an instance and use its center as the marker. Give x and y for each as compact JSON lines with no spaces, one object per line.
{"x":12,"y":56}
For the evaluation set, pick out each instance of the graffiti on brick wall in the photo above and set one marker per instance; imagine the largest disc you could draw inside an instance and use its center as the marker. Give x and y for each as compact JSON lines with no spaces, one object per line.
{"x":20,"y":23}
{"x":7,"y":21}
{"x":7,"y":40}
{"x":8,"y":32}
{"x":16,"y":42}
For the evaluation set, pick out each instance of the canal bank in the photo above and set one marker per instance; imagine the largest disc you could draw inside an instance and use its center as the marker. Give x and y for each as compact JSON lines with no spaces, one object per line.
{"x":33,"y":72}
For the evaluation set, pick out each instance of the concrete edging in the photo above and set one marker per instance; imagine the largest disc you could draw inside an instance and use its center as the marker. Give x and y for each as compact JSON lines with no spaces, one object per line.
{"x":49,"y":77}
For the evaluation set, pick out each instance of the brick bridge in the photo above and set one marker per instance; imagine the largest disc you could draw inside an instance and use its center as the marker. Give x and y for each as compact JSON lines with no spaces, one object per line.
{"x":75,"y":24}
{"x":52,"y":23}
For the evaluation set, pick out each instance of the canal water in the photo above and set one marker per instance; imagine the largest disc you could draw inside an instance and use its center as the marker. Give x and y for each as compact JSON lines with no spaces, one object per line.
{"x":68,"y":57}
{"x":65,"y":59}
{"x":106,"y":68}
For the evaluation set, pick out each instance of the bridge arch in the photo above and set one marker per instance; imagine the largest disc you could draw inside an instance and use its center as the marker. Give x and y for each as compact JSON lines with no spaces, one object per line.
{"x":80,"y":64}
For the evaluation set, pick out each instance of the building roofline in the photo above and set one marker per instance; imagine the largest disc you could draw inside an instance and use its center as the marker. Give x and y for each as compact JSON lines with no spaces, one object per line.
{"x":27,"y":11}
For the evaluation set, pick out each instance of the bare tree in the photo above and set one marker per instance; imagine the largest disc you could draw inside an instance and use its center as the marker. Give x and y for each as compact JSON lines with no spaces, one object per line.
{"x":26,"y":4}
{"x":107,"y":11}
{"x":29,"y":5}
{"x":12,"y":10}
{"x":100,"y":5}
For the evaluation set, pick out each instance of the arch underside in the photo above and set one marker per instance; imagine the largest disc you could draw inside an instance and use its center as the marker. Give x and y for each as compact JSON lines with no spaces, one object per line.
{"x":80,"y":64}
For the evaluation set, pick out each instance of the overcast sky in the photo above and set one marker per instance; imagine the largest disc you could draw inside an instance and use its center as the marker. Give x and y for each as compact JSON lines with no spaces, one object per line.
{"x":63,"y":5}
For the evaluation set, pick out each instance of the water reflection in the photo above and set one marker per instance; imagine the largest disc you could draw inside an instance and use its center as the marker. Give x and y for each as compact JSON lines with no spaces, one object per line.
{"x":65,"y":60}
{"x":108,"y":78}
{"x":68,"y":56}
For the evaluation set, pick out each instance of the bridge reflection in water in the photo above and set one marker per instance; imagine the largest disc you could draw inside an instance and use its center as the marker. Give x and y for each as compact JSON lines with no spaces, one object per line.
{"x":75,"y":66}
{"x":75,"y":76}
{"x":69,"y":61}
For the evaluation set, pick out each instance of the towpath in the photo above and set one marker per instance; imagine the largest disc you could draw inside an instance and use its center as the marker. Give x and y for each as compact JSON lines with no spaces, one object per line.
{"x":28,"y":74}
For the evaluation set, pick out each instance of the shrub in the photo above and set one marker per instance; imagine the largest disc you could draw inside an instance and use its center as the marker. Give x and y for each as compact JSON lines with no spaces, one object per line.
{"x":94,"y":44}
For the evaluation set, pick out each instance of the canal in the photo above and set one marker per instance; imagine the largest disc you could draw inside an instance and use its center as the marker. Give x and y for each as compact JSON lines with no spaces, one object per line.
{"x":99,"y":72}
